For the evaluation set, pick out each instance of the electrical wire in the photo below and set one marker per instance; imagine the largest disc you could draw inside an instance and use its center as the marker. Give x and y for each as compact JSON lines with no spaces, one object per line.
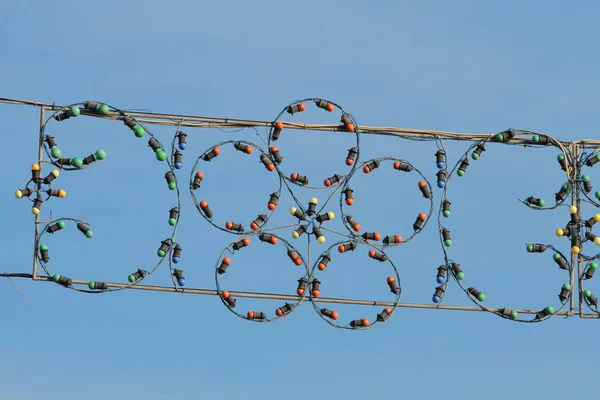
{"x":74,"y":164}
{"x":472,"y":293}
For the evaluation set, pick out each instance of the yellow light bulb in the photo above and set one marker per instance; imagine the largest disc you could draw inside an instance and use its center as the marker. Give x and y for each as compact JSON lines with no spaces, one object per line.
{"x":314,"y":200}
{"x":321,"y":239}
{"x":597,"y":241}
{"x":295,"y":235}
{"x":572,"y":210}
{"x":35,"y":167}
{"x":62,"y":193}
{"x":331,"y":215}
{"x":18,"y":194}
{"x":559,"y":232}
{"x":597,"y":217}
{"x":55,"y":173}
{"x":575,"y":250}
{"x":293,"y":210}
{"x":35,"y":211}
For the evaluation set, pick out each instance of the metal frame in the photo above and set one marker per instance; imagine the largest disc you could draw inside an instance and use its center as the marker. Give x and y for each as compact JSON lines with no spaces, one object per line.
{"x":211,"y":122}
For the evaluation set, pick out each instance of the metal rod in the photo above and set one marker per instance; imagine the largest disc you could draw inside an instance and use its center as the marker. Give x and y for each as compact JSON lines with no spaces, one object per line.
{"x":40,"y":157}
{"x":574,"y":258}
{"x":286,"y":297}
{"x":224,"y":123}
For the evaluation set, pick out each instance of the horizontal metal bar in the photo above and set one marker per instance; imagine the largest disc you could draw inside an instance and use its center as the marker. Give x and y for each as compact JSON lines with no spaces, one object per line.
{"x":17,"y":275}
{"x":192,"y":121}
{"x":285,"y":297}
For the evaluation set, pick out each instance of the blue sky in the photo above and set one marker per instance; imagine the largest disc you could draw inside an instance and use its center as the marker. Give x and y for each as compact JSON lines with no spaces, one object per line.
{"x":464,"y":66}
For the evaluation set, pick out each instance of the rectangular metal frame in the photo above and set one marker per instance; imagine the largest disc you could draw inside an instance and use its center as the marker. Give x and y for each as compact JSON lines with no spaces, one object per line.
{"x":210,"y":122}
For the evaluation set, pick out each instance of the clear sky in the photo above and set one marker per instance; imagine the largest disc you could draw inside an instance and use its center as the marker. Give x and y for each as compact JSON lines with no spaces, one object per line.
{"x":464,"y":66}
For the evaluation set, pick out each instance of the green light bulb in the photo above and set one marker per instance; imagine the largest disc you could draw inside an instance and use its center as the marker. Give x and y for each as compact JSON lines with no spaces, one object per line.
{"x":103,"y":109}
{"x":74,"y":111}
{"x":139,"y":131}
{"x":100,"y":154}
{"x":161,"y":155}
{"x":76,"y":162}
{"x":446,"y":213}
{"x":44,"y":247}
{"x":55,"y":152}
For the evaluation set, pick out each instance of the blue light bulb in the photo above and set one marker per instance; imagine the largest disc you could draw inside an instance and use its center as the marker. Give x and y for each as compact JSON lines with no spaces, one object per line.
{"x":441,"y":184}
{"x":182,"y":146}
{"x":436,"y":299}
{"x":440,"y":279}
{"x":441,"y":165}
{"x":176,"y":259}
{"x":178,"y":165}
{"x":181,"y":282}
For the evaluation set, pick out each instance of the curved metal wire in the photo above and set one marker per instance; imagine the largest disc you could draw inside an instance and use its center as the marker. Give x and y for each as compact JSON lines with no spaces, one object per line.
{"x":444,"y":168}
{"x":122,"y":116}
{"x":449,"y":262}
{"x":43,"y":264}
{"x":416,"y":232}
{"x":356,"y":132}
{"x":230,"y":249}
{"x":174,"y":244}
{"x":378,"y":321}
{"x":197,"y":204}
